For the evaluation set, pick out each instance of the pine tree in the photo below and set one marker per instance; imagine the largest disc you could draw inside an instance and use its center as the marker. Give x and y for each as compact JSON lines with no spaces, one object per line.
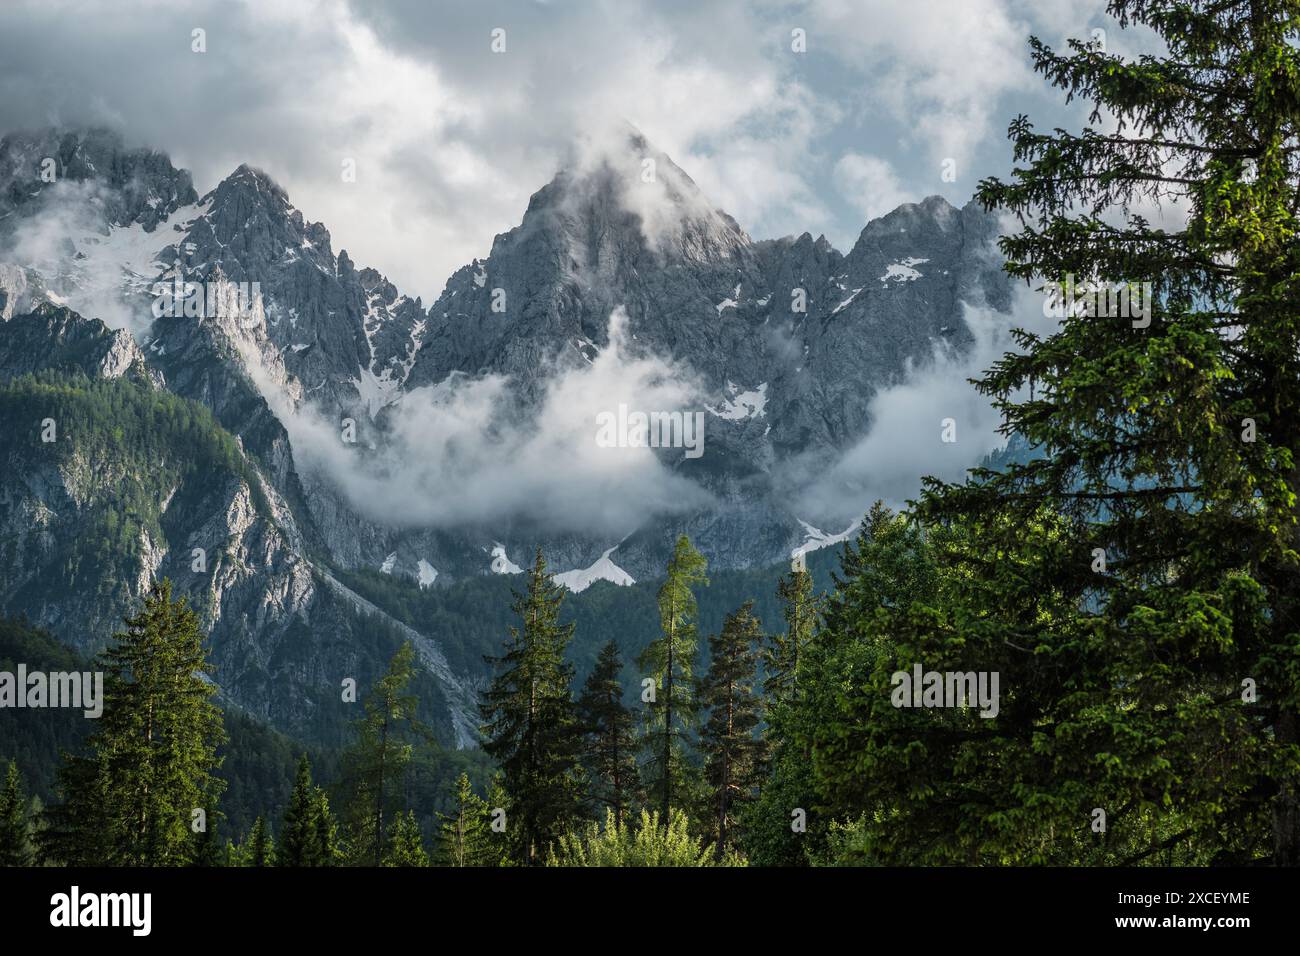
{"x":670,"y":661}
{"x":531,"y":729}
{"x":375,"y":765}
{"x":405,"y":845}
{"x":261,"y":845}
{"x":800,"y":609}
{"x":327,"y":851}
{"x":731,"y":750}
{"x":466,"y":837}
{"x":15,"y":823}
{"x":208,"y":850}
{"x":152,"y":756}
{"x":1137,"y":588}
{"x":609,"y":752}
{"x":300,"y":843}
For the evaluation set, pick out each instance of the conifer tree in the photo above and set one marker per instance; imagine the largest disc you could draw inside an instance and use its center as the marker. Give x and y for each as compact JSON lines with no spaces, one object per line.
{"x":405,"y":845}
{"x":208,"y":850}
{"x":732,"y":752}
{"x":151,"y":759}
{"x":15,"y":824}
{"x":531,"y":729}
{"x":327,"y":851}
{"x":300,"y":839}
{"x":669,"y":661}
{"x":1137,"y":587}
{"x":609,"y":752}
{"x":375,"y":765}
{"x":465,"y":834}
{"x":261,"y":845}
{"x":783,"y":657}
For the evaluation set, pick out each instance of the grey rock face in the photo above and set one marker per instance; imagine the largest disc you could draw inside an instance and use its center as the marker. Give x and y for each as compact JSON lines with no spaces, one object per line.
{"x":57,"y":339}
{"x":789,"y":338}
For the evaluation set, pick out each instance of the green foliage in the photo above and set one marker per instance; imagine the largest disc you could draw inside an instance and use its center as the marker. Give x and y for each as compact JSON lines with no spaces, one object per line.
{"x":15,"y":821}
{"x":151,"y":759}
{"x":608,"y":741}
{"x":375,"y":765}
{"x":800,"y":610}
{"x":732,"y":753}
{"x":405,"y":845}
{"x":1170,"y":454}
{"x":465,"y":835}
{"x":647,"y":844}
{"x":308,"y":831}
{"x":670,"y":662}
{"x":127,"y":447}
{"x":530,"y":725}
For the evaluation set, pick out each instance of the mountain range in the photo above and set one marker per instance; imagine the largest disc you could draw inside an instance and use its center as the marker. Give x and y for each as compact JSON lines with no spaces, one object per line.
{"x":321,"y":427}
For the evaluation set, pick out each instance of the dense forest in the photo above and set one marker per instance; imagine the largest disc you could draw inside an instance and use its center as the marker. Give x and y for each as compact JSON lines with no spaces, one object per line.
{"x":1088,"y":656}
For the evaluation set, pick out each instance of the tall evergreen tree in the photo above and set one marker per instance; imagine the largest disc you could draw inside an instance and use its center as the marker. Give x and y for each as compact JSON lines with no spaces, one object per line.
{"x":405,"y":845}
{"x":531,"y":729}
{"x":670,"y":661}
{"x":375,"y":765}
{"x":261,"y":845}
{"x":609,"y":752}
{"x":732,"y":751}
{"x":782,"y":659}
{"x":15,"y":823}
{"x":465,"y":835}
{"x":208,"y":850}
{"x":300,"y":838}
{"x":151,"y":759}
{"x":327,"y":851}
{"x":1137,"y":588}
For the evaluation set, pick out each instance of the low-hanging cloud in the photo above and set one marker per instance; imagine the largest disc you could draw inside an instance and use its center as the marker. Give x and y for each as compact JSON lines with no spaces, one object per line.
{"x":465,"y":452}
{"x":905,"y":441}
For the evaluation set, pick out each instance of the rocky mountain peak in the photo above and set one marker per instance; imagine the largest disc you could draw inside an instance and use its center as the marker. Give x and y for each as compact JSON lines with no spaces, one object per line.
{"x":130,"y":185}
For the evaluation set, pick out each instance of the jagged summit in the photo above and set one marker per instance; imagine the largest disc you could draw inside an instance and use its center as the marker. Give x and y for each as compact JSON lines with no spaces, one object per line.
{"x":137,"y":185}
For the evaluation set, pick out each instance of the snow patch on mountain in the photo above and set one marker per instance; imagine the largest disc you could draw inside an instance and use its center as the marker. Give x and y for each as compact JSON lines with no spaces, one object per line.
{"x":502,"y":564}
{"x":428,"y":574}
{"x":604,"y":569}
{"x":750,"y":403}
{"x":902,"y":271}
{"x":815,"y":538}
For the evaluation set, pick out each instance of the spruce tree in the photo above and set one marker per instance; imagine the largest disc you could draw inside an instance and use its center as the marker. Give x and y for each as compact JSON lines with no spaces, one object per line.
{"x":609,"y":752}
{"x":783,"y":658}
{"x":327,"y":851}
{"x":15,"y":823}
{"x":261,"y":845}
{"x":530,"y":726}
{"x":669,"y":661}
{"x":152,"y":757}
{"x":208,"y":850}
{"x":465,"y":835}
{"x":300,"y":843}
{"x":1136,"y":588}
{"x":375,"y":765}
{"x":732,"y":751}
{"x":405,"y":845}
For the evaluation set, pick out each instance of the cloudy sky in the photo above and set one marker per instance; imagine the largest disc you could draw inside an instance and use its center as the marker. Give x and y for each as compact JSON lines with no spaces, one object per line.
{"x":451,"y":138}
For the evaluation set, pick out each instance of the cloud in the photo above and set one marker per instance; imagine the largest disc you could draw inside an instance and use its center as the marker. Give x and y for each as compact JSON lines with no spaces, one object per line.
{"x":465,"y":453}
{"x":870,"y":184}
{"x":905,"y":440}
{"x":450,"y":138}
